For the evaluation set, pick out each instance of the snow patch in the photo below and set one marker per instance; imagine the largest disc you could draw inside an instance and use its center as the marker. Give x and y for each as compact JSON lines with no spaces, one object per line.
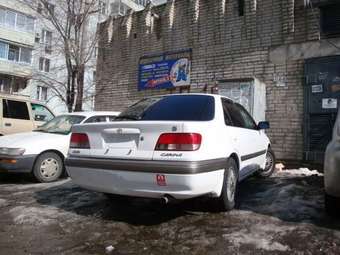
{"x":3,"y":202}
{"x":38,"y":216}
{"x":261,"y":236}
{"x":297,"y":173}
{"x":21,"y":187}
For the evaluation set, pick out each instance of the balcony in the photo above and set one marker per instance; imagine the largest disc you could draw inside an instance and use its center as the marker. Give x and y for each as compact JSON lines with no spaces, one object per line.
{"x":24,"y":38}
{"x":121,"y":7}
{"x":15,"y":68}
{"x":16,"y":23}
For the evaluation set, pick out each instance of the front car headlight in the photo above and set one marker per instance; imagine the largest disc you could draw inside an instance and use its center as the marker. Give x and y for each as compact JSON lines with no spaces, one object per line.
{"x":12,"y":151}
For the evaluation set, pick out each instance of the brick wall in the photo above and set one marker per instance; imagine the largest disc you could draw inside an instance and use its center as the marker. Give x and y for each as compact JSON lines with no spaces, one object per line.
{"x":224,"y":45}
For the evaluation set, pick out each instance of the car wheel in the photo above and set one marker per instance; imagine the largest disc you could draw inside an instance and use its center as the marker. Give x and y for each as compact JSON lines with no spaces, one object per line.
{"x":48,"y":167}
{"x":270,"y":164}
{"x":226,"y":201}
{"x":332,"y":205}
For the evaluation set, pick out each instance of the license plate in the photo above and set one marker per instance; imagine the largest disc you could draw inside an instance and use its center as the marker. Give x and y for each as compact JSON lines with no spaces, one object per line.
{"x":161,"y":180}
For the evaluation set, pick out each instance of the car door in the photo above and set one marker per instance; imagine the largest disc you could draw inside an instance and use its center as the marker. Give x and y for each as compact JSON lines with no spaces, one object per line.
{"x":16,"y":117}
{"x":40,"y":114}
{"x":246,"y":137}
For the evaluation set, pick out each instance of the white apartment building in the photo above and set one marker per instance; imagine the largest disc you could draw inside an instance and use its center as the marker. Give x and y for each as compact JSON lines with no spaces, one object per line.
{"x":31,"y":64}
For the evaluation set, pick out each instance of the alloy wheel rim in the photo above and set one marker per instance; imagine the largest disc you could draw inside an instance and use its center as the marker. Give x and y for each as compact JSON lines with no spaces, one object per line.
{"x":49,"y":167}
{"x":269,"y":163}
{"x":231,"y":184}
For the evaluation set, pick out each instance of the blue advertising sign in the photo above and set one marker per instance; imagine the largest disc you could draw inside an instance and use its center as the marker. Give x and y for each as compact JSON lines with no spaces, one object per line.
{"x":164,"y":74}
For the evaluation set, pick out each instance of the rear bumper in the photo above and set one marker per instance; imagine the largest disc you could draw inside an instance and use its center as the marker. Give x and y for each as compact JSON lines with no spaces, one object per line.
{"x":17,"y":164}
{"x":149,"y":166}
{"x":139,"y":178}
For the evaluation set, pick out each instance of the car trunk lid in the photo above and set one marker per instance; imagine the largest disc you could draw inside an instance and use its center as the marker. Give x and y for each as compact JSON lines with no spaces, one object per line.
{"x":125,"y":139}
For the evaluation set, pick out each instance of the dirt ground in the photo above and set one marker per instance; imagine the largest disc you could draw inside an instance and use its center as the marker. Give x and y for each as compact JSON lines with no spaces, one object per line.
{"x":280,"y":215}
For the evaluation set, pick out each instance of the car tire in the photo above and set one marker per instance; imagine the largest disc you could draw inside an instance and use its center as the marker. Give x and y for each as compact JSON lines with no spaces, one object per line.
{"x":48,"y":167}
{"x":332,"y":205}
{"x":226,"y":201}
{"x":270,"y":164}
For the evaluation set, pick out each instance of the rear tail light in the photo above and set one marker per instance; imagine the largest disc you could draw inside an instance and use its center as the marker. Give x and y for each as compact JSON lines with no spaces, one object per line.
{"x":179,"y":142}
{"x":79,"y":141}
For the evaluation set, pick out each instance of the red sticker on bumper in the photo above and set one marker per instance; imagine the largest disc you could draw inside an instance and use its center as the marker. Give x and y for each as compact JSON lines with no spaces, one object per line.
{"x":160,"y":179}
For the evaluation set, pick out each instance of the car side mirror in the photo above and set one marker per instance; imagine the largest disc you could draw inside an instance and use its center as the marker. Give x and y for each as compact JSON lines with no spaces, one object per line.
{"x":263,"y":125}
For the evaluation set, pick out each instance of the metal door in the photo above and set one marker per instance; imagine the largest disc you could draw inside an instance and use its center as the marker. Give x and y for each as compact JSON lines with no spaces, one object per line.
{"x":321,"y":100}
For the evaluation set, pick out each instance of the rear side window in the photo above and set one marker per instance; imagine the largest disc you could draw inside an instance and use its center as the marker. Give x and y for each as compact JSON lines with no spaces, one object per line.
{"x":41,"y":113}
{"x":176,"y":108}
{"x":234,"y":114}
{"x":112,"y":118}
{"x":15,"y":110}
{"x":247,"y":119}
{"x":95,"y":119}
{"x":227,"y":118}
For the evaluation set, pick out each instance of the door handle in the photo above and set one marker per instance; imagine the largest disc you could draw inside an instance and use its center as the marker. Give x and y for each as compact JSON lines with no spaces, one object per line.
{"x":8,"y":124}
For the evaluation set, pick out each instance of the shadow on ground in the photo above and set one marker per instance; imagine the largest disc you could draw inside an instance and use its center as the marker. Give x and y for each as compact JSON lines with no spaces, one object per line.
{"x":17,"y":178}
{"x":290,"y":199}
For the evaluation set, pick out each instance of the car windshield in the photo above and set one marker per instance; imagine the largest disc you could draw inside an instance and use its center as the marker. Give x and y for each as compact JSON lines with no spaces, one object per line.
{"x":172,"y":108}
{"x":61,"y":124}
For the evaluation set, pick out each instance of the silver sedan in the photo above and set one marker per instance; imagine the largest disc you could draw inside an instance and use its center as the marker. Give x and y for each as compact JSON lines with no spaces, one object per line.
{"x":332,"y":172}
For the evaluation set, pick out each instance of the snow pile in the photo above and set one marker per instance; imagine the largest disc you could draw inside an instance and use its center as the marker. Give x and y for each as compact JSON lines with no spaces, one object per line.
{"x":297,"y":172}
{"x":3,"y":203}
{"x":294,"y":195}
{"x":31,"y":187}
{"x":35,"y":215}
{"x":261,"y":236}
{"x":255,"y":239}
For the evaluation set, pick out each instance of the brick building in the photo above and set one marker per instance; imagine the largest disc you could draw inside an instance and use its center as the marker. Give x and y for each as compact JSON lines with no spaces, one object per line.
{"x":275,"y":42}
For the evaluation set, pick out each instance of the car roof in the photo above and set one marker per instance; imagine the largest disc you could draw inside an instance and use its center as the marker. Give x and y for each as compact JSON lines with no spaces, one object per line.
{"x":92,"y":113}
{"x":18,"y":97}
{"x":198,"y":94}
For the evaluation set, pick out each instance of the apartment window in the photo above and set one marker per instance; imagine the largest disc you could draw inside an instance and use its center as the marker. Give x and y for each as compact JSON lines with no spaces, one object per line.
{"x":3,"y":50}
{"x":50,"y":8}
{"x":41,"y":64}
{"x":10,"y":19}
{"x":29,"y":24}
{"x":330,"y":20}
{"x":39,"y":8}
{"x":13,"y":53}
{"x":94,"y":75}
{"x":2,"y":16}
{"x":44,"y":64}
{"x":47,"y":65}
{"x":41,"y":93}
{"x":102,"y":8}
{"x":21,"y":22}
{"x":240,"y":7}
{"x":47,"y":40}
{"x":5,"y":84}
{"x":16,"y":20}
{"x":26,"y":55}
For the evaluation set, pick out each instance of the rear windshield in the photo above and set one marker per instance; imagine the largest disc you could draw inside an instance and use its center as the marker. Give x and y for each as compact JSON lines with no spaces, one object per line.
{"x":176,"y":108}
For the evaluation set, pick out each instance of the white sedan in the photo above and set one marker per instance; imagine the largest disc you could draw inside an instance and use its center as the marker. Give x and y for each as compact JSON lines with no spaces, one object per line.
{"x":42,"y":152}
{"x":173,"y":146}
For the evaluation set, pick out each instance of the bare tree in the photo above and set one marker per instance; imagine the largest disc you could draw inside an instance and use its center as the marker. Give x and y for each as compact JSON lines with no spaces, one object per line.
{"x":75,"y":41}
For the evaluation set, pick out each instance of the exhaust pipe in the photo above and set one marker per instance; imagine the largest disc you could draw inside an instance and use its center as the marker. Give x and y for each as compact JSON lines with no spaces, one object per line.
{"x":166,"y":199}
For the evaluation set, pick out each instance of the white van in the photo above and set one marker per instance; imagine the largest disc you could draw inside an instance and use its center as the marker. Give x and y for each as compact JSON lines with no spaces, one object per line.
{"x":21,"y":114}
